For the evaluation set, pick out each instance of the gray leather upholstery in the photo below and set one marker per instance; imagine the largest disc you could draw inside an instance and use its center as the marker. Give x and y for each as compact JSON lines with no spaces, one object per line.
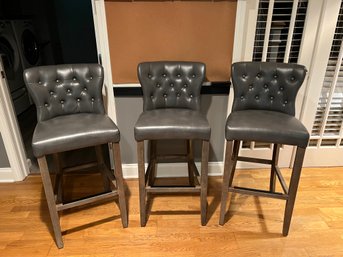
{"x":266,"y":86}
{"x":171,"y":97}
{"x":74,"y":131}
{"x":266,"y":126}
{"x":70,"y":109}
{"x":171,"y":84}
{"x":65,"y":89}
{"x":264,"y":103}
{"x":172,"y":123}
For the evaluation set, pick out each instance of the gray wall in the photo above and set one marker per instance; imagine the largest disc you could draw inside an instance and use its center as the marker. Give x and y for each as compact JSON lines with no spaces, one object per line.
{"x":129,"y":108}
{"x":3,"y":156}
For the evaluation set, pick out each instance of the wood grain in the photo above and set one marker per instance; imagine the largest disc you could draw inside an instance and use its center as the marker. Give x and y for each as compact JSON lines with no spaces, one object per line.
{"x":253,"y":228}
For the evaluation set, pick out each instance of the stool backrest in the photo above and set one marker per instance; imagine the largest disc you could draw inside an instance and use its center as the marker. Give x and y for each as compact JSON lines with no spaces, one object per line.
{"x":266,"y":86}
{"x":171,"y":84}
{"x":65,"y":89}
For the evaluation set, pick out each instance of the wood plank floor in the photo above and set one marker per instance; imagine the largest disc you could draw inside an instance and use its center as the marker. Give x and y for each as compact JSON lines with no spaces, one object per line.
{"x":253,"y":228}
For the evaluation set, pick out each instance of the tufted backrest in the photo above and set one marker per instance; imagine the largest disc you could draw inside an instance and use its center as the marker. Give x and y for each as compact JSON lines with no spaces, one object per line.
{"x":65,"y":89}
{"x":171,"y":84}
{"x":266,"y":86}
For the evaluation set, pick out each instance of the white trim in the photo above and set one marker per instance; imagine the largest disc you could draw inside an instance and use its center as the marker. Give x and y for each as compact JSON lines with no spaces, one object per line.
{"x":173,"y":169}
{"x":101,"y":35}
{"x":6,"y":175}
{"x":11,"y":134}
{"x":291,"y":30}
{"x":267,"y":30}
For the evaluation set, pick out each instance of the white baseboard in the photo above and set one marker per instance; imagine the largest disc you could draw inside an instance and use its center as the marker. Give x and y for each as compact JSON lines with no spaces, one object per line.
{"x":6,"y":175}
{"x":173,"y":169}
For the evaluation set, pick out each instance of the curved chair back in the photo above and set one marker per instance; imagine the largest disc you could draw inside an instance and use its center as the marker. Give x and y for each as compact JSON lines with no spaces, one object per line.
{"x":266,"y":86}
{"x":171,"y":84}
{"x":65,"y":89}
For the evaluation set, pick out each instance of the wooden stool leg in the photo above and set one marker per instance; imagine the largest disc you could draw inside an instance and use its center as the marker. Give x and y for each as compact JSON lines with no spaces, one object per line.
{"x":118,"y":173}
{"x":190,"y":162}
{"x":101,"y":163}
{"x":204,"y":181}
{"x":226,"y":178}
{"x":276,"y":150}
{"x":293,"y":187}
{"x":49,"y":194}
{"x":59,"y":178}
{"x":152,"y":161}
{"x":141,"y":178}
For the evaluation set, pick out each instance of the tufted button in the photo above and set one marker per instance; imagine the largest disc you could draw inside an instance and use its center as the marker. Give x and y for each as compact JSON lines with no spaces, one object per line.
{"x":68,"y":90}
{"x":149,"y":76}
{"x":265,"y":86}
{"x":271,"y":98}
{"x":191,"y":96}
{"x":57,"y":80}
{"x":281,"y":88}
{"x":74,"y":78}
{"x":46,"y":105}
{"x":78,"y":99}
{"x":178,"y":94}
{"x":158,"y":85}
{"x":171,"y":85}
{"x":251,"y":87}
{"x":90,"y":78}
{"x":51,"y":92}
{"x":242,"y":97}
{"x":92,"y":99}
{"x":185,"y":85}
{"x":178,"y":75}
{"x":85,"y":88}
{"x":193,"y":76}
{"x":151,"y":96}
{"x":165,"y":95}
{"x":258,"y":75}
{"x":285,"y":102}
{"x":244,"y":76}
{"x":275,"y":76}
{"x":292,"y":78}
{"x":62,"y":101}
{"x":257,"y":97}
{"x":40,"y":82}
{"x":164,"y":75}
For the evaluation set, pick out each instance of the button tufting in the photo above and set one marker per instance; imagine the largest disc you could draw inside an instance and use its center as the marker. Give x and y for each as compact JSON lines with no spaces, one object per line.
{"x":62,"y":101}
{"x":275,"y":76}
{"x":165,"y":95}
{"x":281,"y":88}
{"x":285,"y":102}
{"x":185,"y":85}
{"x":190,"y":95}
{"x":57,"y":81}
{"x":193,"y":76}
{"x":46,"y":105}
{"x":68,"y":90}
{"x":251,"y":87}
{"x":78,"y":99}
{"x":39,"y":82}
{"x":292,"y":78}
{"x":272,"y":98}
{"x":171,"y":84}
{"x":164,"y":75}
{"x":265,"y":86}
{"x":257,"y":97}
{"x":178,"y":75}
{"x":149,"y":76}
{"x":51,"y":92}
{"x":178,"y":94}
{"x":258,"y":75}
{"x":74,"y":79}
{"x":242,"y":97}
{"x":85,"y":88}
{"x":158,"y":85}
{"x":92,"y":99}
{"x":90,"y":77}
{"x":244,"y":76}
{"x":152,"y":96}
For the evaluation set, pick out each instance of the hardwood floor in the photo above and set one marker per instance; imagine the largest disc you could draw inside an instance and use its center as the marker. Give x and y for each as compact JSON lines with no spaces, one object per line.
{"x":253,"y":226}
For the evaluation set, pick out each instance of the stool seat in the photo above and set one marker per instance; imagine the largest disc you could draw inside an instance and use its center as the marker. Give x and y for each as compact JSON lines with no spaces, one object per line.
{"x":266,"y":126}
{"x":74,"y":131}
{"x":172,"y":123}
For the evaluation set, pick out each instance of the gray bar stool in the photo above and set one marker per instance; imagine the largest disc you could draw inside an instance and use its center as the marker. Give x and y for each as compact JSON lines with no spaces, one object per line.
{"x":70,"y":116}
{"x":171,"y":96}
{"x":263,"y":110}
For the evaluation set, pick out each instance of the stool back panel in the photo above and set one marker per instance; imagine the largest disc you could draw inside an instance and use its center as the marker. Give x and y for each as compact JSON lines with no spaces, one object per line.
{"x":171,"y":84}
{"x":266,"y":86}
{"x":65,"y":89}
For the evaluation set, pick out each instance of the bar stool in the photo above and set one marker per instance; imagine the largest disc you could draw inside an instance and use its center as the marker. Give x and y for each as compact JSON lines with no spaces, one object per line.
{"x":70,"y":116}
{"x":263,"y":110}
{"x":171,"y":97}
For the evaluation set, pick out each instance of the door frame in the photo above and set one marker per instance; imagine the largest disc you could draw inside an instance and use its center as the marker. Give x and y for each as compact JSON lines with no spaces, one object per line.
{"x":9,"y":128}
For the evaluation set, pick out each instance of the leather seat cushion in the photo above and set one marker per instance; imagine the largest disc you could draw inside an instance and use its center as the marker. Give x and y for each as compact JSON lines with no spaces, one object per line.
{"x":68,"y":132}
{"x":266,"y":126}
{"x":172,"y":123}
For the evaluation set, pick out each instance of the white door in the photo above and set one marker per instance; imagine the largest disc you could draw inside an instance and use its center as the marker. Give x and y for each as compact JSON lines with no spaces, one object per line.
{"x":278,"y":31}
{"x":323,"y":107}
